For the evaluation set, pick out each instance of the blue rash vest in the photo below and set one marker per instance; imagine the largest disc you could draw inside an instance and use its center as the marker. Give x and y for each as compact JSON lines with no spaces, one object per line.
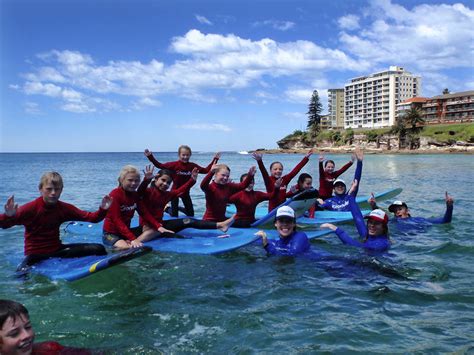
{"x":377,"y":244}
{"x":296,"y":243}
{"x":419,"y":223}
{"x":341,"y":202}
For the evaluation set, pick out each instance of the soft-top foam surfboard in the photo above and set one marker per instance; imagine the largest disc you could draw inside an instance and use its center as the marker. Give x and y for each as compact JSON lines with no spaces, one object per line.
{"x":300,"y":204}
{"x":329,"y":217}
{"x":381,"y":196}
{"x":71,"y":269}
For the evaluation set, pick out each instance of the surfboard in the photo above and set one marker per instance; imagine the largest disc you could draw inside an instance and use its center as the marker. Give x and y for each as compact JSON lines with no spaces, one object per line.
{"x":329,"y":217}
{"x":381,"y":196}
{"x":71,"y":269}
{"x":300,"y":203}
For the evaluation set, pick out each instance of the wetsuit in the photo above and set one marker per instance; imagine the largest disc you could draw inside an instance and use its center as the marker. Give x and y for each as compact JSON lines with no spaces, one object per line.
{"x":420,"y":223}
{"x":155,"y":200}
{"x":377,"y":244}
{"x":217,"y":196}
{"x":117,"y":221}
{"x":54,"y":348}
{"x":326,"y":179}
{"x":296,"y":243}
{"x":181,"y":173}
{"x":246,"y":203}
{"x":341,"y":202}
{"x":42,"y":224}
{"x":279,"y":198}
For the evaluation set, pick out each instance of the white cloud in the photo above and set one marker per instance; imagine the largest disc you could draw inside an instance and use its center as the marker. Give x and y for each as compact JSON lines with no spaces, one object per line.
{"x":298,"y":95}
{"x":349,"y":22}
{"x":32,"y":108}
{"x":203,"y":20}
{"x":295,"y":116}
{"x":426,"y":37}
{"x":206,"y":127}
{"x":276,"y":24}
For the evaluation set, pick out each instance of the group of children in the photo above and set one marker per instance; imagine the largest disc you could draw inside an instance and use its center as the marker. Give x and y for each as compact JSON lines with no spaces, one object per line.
{"x":149,"y":197}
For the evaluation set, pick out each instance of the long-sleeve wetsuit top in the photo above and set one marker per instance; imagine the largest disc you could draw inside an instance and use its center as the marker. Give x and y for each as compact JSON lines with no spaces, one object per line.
{"x":377,"y":244}
{"x":155,"y":200}
{"x":246,"y":203}
{"x":270,"y":182}
{"x":341,"y":202}
{"x":121,"y":212}
{"x":296,"y":243}
{"x":181,"y":171}
{"x":42,"y":223}
{"x":217,"y":196}
{"x":327,"y":179}
{"x":420,"y":223}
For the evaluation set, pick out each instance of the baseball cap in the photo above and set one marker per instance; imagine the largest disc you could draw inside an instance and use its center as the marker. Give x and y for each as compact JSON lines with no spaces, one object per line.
{"x":338,"y":181}
{"x":378,"y":215}
{"x":285,"y":211}
{"x":397,"y":203}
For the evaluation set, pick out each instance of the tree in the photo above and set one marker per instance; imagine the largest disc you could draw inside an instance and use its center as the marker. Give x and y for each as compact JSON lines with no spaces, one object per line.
{"x":408,"y":126}
{"x":446,"y":91}
{"x":314,"y":113}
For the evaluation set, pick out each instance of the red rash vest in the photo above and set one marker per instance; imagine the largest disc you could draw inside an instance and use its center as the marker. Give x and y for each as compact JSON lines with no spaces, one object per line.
{"x":327,"y":179}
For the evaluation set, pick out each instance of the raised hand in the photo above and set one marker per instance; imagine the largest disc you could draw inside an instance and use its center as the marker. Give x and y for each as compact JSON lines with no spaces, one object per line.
{"x":147,"y":152}
{"x":11,"y":206}
{"x":217,"y":156}
{"x":371,"y":200}
{"x":449,"y":200}
{"x":252,"y":171}
{"x":148,"y":172}
{"x":194,"y":174}
{"x":353,"y":186}
{"x":257,"y":156}
{"x":106,"y":202}
{"x":321,"y":157}
{"x":310,"y":152}
{"x":359,"y":153}
{"x":214,"y":168}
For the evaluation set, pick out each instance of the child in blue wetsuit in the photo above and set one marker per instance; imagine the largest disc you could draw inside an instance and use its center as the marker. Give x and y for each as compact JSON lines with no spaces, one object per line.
{"x":340,"y":200}
{"x":291,"y":241}
{"x":374,"y":235}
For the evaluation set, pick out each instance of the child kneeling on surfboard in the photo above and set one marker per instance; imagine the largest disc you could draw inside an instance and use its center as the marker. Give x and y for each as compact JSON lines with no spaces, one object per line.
{"x":42,"y":218}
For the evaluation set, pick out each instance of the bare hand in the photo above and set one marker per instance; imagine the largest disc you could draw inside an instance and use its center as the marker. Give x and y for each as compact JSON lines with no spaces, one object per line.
{"x":359,"y":153}
{"x":262,"y":235}
{"x":257,"y":156}
{"x":353,"y":186}
{"x":278,"y":183}
{"x":293,"y":189}
{"x":136,"y":244}
{"x":328,"y":226}
{"x":321,"y":158}
{"x":449,"y":200}
{"x":194,"y":174}
{"x":147,"y":152}
{"x":164,"y":230}
{"x":148,"y":172}
{"x":217,"y":156}
{"x":320,"y":201}
{"x":106,"y":202}
{"x":371,"y":199}
{"x":214,"y":168}
{"x":11,"y":206}
{"x":252,"y":171}
{"x":310,"y":152}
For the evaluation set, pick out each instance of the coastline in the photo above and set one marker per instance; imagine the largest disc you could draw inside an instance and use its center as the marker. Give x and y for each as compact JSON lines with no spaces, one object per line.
{"x":369,"y":150}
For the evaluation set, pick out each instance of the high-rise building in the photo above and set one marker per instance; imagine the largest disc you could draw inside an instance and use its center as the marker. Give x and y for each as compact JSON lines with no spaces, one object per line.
{"x":450,"y":108}
{"x":336,"y":107}
{"x":370,"y":101}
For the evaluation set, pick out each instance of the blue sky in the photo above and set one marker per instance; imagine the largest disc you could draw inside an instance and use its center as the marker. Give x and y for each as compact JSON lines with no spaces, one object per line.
{"x":96,"y":75}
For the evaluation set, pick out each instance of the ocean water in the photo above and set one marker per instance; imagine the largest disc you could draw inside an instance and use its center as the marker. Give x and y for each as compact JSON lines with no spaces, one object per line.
{"x":417,"y":299}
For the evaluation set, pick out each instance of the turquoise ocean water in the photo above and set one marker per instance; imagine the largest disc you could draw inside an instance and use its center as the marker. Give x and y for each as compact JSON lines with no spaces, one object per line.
{"x":419,"y":298}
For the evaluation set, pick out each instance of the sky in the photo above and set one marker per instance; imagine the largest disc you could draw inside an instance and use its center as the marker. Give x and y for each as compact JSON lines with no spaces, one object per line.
{"x":125,"y":75}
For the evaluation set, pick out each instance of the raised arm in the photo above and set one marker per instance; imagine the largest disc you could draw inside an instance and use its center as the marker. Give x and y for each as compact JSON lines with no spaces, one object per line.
{"x":187,"y":186}
{"x":287,"y":178}
{"x":147,"y":177}
{"x":448,"y":215}
{"x":266,"y":178}
{"x":152,"y":159}
{"x":207,"y":179}
{"x":358,"y":218}
{"x":358,"y":173}
{"x":242,"y":185}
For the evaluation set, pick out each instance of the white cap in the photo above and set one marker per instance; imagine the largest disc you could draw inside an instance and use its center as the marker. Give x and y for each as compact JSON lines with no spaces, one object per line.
{"x":378,"y":215}
{"x":339,"y":181}
{"x":285,"y":211}
{"x":397,"y":203}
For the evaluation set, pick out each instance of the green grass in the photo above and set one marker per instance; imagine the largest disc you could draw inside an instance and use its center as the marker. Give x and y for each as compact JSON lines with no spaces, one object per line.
{"x":450,"y":132}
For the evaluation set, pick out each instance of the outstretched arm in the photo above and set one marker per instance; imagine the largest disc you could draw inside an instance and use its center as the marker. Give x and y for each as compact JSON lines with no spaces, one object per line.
{"x":152,"y":159}
{"x":11,"y":207}
{"x":287,"y":178}
{"x":147,"y":176}
{"x":448,"y":215}
{"x":263,"y":171}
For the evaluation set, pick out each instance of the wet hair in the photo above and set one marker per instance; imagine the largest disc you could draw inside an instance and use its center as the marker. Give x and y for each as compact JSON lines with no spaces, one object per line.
{"x":127,"y":169}
{"x":243,"y":176}
{"x":303,"y":177}
{"x":275,"y":162}
{"x":11,"y":309}
{"x":52,"y":177}
{"x":329,"y":161}
{"x":186,"y":147}
{"x":222,"y":166}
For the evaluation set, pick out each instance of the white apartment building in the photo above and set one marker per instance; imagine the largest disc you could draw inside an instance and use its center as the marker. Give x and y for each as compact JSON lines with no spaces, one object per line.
{"x":371,"y":101}
{"x":336,"y":107}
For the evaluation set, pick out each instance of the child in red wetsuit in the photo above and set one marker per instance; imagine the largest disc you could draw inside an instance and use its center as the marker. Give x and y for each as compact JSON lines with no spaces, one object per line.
{"x":182,"y":170}
{"x":117,"y":231}
{"x":17,"y":335}
{"x":157,"y":196}
{"x":219,"y":191}
{"x":327,"y":175}
{"x":246,"y":202}
{"x":42,"y":218}
{"x":276,"y":171}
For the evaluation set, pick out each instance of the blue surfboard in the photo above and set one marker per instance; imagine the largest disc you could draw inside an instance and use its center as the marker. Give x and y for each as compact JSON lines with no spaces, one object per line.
{"x":71,"y":269}
{"x":329,"y":217}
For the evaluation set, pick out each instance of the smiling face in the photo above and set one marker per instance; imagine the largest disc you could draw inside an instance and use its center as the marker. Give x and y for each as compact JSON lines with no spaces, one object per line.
{"x":329,"y":168}
{"x":130,"y":182}
{"x":184,"y":155}
{"x":163,"y":182}
{"x":285,"y":226}
{"x":50,"y":192}
{"x":375,"y":228}
{"x":222,"y":176}
{"x":339,"y":189}
{"x":307,"y":184}
{"x":276,"y":170}
{"x":401,"y":212}
{"x":16,"y":336}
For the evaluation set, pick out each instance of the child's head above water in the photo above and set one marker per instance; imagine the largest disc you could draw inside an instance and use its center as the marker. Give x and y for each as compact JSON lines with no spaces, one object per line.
{"x":16,"y":332}
{"x":184,"y":153}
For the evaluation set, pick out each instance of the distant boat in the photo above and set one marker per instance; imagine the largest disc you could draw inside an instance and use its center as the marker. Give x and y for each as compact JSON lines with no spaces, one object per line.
{"x":243,"y":152}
